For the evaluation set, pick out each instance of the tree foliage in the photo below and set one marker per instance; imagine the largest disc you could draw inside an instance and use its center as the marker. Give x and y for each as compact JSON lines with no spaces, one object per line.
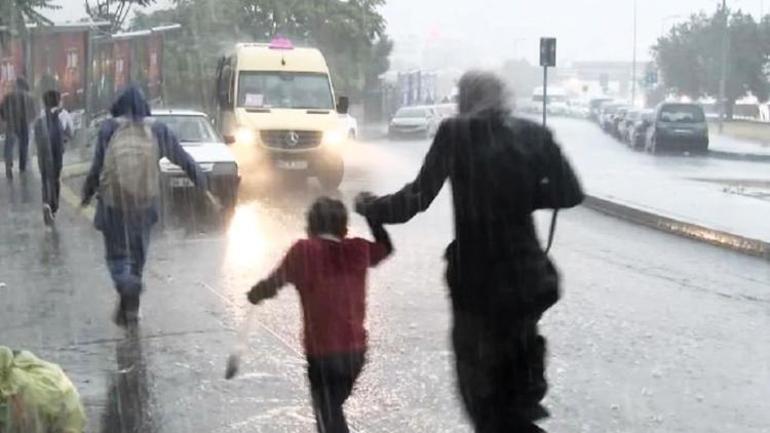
{"x":690,"y":56}
{"x":15,"y":13}
{"x":351,"y":34}
{"x":113,"y":11}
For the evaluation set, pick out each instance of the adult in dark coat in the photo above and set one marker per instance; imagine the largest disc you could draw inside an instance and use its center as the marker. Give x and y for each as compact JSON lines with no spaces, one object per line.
{"x":17,"y":111}
{"x":500,"y":279}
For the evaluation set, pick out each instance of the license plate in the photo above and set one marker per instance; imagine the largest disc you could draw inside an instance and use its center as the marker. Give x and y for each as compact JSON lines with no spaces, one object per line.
{"x":292,"y":165}
{"x":683,"y":131}
{"x":180,"y":182}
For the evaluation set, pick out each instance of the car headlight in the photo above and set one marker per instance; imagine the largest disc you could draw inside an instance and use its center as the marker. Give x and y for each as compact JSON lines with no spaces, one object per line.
{"x":334,"y":138}
{"x":245,"y":135}
{"x":206,"y":166}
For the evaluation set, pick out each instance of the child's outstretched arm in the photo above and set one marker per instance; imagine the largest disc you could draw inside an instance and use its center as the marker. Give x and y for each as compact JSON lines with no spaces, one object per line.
{"x":283,"y":275}
{"x":382,"y":247}
{"x":265,"y":289}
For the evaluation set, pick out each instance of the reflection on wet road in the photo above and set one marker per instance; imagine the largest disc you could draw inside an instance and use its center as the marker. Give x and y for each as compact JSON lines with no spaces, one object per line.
{"x":129,"y":401}
{"x":640,"y":346}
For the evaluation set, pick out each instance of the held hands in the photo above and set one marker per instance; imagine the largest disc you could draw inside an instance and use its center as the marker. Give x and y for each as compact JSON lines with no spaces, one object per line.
{"x":362,"y":202}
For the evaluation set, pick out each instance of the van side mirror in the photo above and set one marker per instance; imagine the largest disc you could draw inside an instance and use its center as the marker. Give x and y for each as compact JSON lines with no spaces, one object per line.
{"x":343,"y":105}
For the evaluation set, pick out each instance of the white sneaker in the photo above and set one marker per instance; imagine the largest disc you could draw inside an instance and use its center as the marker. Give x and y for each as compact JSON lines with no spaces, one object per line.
{"x":48,"y":217}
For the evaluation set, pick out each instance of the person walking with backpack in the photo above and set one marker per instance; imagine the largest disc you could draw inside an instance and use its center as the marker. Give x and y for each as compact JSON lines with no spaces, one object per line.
{"x":50,"y":131}
{"x":126,"y":176}
{"x":500,"y":279}
{"x":17,"y":111}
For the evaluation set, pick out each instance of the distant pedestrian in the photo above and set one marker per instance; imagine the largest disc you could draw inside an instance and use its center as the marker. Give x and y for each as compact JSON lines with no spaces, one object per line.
{"x":51,"y":131}
{"x":126,"y":175}
{"x":500,"y":279}
{"x":17,"y":111}
{"x":329,"y":272}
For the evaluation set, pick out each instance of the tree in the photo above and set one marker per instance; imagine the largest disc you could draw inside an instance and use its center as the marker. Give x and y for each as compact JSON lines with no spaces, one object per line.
{"x":350,"y":34}
{"x":14,"y":14}
{"x":113,"y":11}
{"x":690,"y":61}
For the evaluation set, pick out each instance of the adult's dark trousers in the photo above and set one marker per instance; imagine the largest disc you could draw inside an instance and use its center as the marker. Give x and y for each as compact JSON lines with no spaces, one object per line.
{"x":500,"y":374}
{"x":331,"y":382}
{"x":16,"y":137}
{"x":126,"y":244}
{"x":50,"y":176}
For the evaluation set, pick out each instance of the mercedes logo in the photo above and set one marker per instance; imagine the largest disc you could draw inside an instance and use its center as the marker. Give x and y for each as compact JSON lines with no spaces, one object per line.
{"x":292,"y":139}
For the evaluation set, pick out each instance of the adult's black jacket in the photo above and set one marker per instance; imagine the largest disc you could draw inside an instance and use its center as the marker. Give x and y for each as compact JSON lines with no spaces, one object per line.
{"x":501,"y":169}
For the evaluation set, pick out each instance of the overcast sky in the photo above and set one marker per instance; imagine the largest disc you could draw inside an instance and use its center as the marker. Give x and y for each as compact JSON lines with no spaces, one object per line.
{"x":586,"y":29}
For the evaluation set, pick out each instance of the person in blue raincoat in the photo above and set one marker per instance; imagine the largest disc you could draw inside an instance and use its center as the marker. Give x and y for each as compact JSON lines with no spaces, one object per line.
{"x":127,"y":232}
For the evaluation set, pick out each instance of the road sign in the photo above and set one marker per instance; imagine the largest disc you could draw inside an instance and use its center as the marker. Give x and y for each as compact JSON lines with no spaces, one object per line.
{"x":548,"y":52}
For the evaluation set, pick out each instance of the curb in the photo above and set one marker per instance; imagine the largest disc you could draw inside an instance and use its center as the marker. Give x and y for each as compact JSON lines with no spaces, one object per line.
{"x":722,"y":239}
{"x":734,"y":156}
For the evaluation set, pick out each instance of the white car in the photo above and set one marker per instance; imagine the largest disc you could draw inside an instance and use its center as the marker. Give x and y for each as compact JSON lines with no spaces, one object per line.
{"x":418,"y":121}
{"x":350,"y":125}
{"x":199,"y":139}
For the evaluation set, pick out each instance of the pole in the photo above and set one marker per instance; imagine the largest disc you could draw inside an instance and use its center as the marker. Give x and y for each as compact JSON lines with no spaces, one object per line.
{"x":633,"y":71}
{"x":723,"y":77}
{"x":545,"y":94}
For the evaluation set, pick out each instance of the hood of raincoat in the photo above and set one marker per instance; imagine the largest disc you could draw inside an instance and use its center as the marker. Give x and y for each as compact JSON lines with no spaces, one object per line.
{"x":131,"y":103}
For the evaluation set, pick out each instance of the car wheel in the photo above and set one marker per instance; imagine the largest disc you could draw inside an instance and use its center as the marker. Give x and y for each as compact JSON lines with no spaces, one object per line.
{"x":330,"y":172}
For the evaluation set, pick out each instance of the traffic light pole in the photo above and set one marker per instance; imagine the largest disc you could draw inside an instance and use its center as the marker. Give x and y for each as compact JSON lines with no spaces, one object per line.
{"x":723,"y":77}
{"x":545,"y":94}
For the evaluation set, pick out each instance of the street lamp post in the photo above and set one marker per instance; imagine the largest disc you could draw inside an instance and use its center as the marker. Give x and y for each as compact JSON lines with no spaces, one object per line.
{"x":633,"y":71}
{"x":723,"y":72}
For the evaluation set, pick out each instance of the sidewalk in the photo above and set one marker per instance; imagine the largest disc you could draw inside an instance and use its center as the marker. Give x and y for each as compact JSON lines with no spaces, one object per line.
{"x":724,"y":146}
{"x":694,"y":197}
{"x":55,"y":294}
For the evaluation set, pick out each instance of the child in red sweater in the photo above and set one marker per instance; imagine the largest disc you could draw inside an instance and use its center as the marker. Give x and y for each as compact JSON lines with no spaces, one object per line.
{"x":329,"y":271}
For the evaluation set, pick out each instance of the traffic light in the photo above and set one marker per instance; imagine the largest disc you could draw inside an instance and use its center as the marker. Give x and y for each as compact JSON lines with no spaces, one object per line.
{"x":547,"y":52}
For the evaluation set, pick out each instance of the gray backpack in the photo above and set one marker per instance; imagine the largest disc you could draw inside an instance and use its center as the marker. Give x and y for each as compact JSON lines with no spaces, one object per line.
{"x":130,"y":178}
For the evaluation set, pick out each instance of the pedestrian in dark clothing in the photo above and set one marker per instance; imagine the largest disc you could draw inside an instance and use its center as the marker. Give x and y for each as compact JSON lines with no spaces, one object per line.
{"x":125,"y":215}
{"x":50,"y":132}
{"x":17,"y":111}
{"x":500,"y":279}
{"x":329,"y":272}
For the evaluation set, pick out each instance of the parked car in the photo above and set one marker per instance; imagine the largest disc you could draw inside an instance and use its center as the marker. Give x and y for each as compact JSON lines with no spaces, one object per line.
{"x":617,"y":121}
{"x":607,"y":116}
{"x":678,"y":126}
{"x":349,"y":125}
{"x":417,"y":121}
{"x":638,"y":132}
{"x":595,"y":107}
{"x":207,"y":148}
{"x":578,"y":110}
{"x":626,"y":125}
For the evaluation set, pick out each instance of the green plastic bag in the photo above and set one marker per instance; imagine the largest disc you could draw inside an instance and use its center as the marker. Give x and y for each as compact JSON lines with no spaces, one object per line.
{"x":36,"y":396}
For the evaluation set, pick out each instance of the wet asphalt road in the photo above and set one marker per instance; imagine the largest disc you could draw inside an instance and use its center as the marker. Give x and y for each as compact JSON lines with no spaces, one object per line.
{"x":655,"y":333}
